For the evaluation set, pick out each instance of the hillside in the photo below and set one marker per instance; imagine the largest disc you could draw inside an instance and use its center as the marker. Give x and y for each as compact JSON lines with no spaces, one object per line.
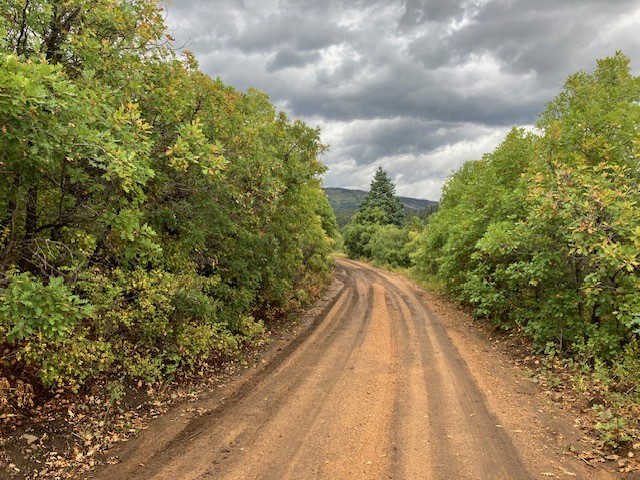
{"x":345,"y":202}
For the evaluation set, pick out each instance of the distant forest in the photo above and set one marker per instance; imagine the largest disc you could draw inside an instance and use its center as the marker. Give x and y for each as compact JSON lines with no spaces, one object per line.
{"x":345,"y":202}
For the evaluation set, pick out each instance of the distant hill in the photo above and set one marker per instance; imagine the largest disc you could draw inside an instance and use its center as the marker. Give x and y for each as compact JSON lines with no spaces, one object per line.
{"x":345,"y":202}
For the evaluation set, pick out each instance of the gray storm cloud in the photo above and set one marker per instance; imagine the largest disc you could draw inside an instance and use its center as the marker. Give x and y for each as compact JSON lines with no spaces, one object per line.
{"x":415,"y":86}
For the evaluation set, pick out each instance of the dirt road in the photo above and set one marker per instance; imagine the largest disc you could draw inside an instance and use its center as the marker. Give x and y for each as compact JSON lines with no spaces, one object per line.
{"x":384,"y":385}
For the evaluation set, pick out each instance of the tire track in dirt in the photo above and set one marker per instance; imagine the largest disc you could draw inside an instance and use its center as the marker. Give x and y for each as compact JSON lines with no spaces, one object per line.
{"x":465,"y":439}
{"x":441,"y":423}
{"x":254,"y":410}
{"x":375,"y":388}
{"x":312,"y":381}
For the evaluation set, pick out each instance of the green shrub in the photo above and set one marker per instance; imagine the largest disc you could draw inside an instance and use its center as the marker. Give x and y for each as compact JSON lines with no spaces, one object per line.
{"x":387,"y":246}
{"x":28,"y":308}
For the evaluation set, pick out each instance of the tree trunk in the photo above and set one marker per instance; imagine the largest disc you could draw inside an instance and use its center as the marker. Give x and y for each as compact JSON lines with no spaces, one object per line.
{"x":30,"y":225}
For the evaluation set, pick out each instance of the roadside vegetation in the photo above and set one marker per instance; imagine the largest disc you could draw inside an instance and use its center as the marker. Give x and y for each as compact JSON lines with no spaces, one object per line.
{"x":542,"y":237}
{"x":153,"y":220}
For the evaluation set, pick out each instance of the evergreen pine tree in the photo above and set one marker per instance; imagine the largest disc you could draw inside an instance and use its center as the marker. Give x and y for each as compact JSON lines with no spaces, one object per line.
{"x":382,"y":198}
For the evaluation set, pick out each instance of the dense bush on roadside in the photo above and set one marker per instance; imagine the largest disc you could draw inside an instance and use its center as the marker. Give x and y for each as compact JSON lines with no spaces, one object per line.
{"x":543,"y":236}
{"x":151,"y":218}
{"x":544,"y":233}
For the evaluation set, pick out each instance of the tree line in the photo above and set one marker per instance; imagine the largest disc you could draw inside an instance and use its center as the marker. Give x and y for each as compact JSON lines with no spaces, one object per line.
{"x":152,"y":219}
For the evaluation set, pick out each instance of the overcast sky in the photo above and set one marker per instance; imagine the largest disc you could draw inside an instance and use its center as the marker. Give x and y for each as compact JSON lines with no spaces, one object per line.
{"x":415,"y":86}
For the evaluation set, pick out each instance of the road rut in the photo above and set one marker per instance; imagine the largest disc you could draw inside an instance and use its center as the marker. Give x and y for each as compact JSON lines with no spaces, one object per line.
{"x":375,"y":389}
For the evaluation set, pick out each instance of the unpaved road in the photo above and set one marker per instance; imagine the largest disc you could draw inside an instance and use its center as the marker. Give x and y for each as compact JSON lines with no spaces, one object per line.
{"x":383,"y":385}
